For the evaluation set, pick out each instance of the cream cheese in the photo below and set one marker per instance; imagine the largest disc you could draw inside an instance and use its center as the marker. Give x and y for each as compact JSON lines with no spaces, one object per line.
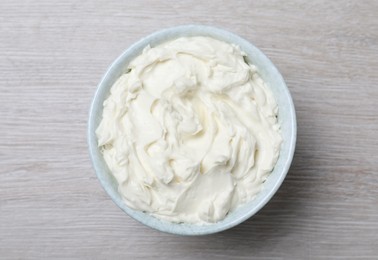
{"x":190,"y":132}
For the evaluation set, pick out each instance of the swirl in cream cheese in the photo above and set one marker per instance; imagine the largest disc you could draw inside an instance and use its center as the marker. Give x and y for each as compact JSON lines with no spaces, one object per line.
{"x":190,"y":132}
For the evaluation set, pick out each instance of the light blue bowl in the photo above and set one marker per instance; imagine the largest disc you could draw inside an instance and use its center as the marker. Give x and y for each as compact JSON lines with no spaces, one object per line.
{"x":286,"y":117}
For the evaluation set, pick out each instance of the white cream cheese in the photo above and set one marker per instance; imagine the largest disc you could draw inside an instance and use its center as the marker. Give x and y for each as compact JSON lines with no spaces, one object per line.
{"x":190,"y":132}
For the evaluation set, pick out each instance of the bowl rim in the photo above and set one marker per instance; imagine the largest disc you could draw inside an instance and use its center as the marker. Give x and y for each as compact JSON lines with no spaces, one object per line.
{"x":97,"y":103}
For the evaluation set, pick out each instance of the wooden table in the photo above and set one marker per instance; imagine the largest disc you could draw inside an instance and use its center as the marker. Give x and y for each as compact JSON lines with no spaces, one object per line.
{"x":53,"y":54}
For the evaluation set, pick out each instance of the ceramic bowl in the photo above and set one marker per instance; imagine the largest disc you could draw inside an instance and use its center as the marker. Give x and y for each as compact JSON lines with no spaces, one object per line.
{"x":286,"y":117}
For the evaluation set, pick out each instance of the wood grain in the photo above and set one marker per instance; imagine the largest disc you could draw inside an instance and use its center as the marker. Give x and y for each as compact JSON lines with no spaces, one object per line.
{"x":52,"y":55}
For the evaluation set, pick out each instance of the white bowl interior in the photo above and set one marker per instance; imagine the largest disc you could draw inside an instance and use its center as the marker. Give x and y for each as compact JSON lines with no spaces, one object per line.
{"x":286,"y":118}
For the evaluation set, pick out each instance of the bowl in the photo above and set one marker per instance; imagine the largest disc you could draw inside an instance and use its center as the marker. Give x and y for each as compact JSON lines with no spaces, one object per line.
{"x":286,"y":117}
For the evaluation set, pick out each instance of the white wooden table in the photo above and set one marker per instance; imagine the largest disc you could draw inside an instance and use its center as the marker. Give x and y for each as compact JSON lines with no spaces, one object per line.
{"x":53,"y":54}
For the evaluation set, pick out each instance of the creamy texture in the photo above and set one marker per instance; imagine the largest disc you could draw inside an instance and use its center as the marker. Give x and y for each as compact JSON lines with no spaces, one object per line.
{"x":190,"y":132}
